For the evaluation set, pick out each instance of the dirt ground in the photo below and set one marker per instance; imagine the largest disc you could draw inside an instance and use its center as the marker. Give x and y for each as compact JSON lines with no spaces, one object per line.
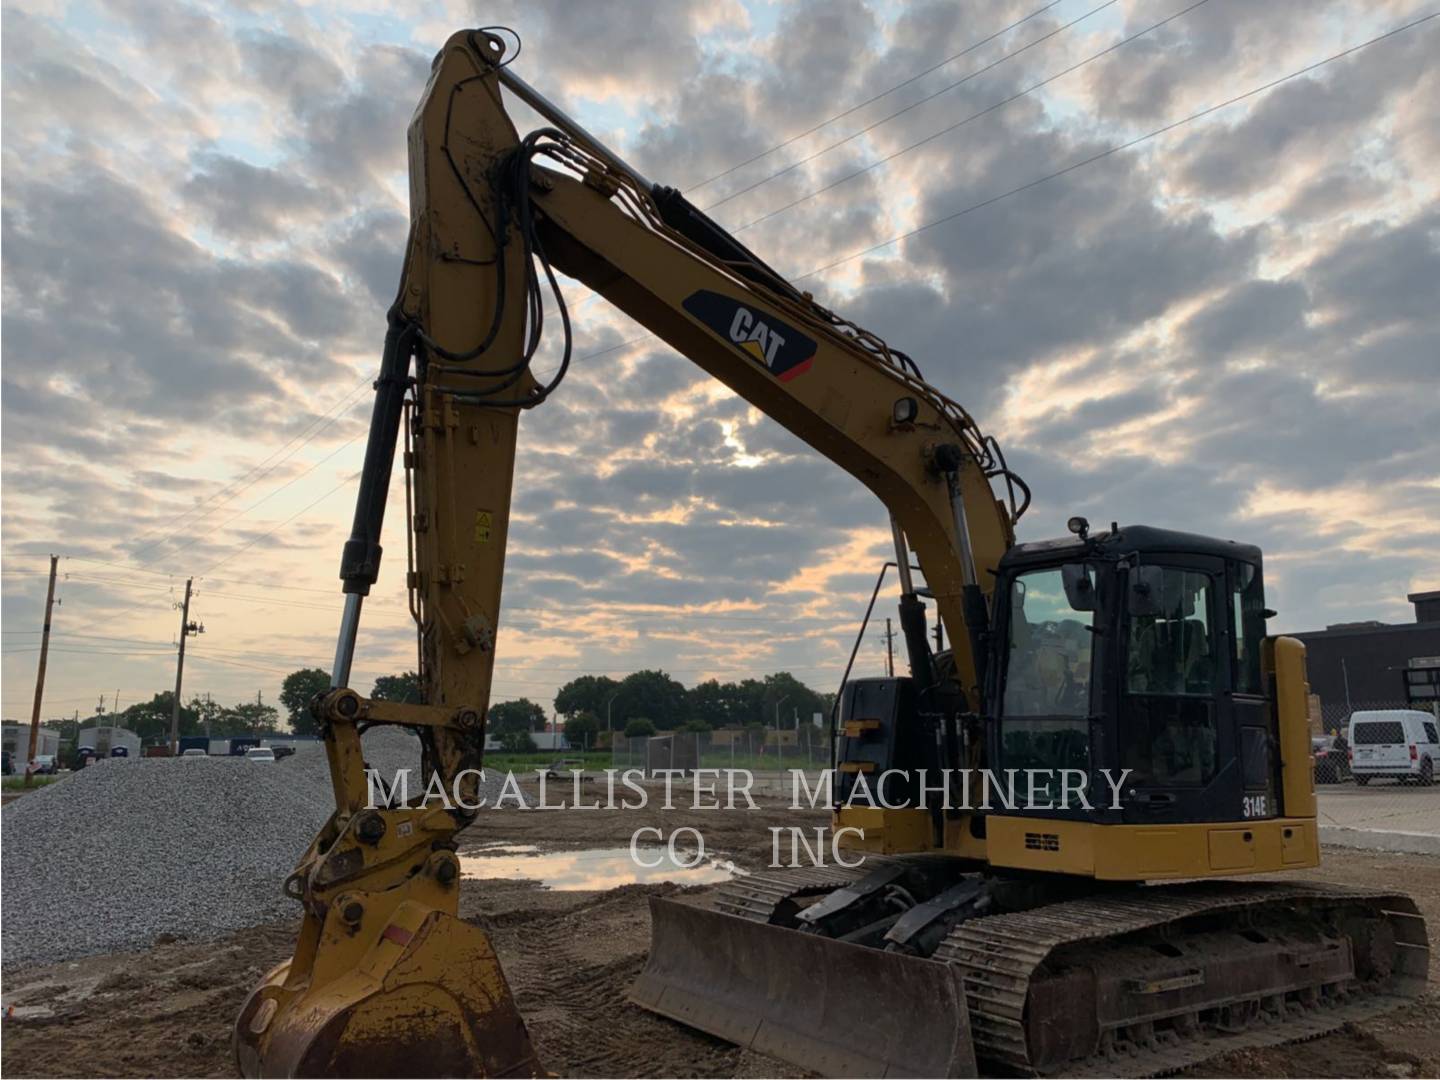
{"x":571,"y":957}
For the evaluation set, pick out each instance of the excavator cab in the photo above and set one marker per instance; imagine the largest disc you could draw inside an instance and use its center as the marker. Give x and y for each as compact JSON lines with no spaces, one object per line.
{"x":1128,"y":687}
{"x":1136,"y":651}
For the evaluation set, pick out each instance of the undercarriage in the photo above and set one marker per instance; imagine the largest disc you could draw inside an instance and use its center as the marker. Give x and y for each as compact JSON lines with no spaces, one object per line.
{"x":1057,"y":976}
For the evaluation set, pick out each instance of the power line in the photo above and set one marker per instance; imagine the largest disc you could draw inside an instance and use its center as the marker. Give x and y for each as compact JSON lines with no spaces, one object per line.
{"x":129,"y":567}
{"x":270,"y":532}
{"x":1116,"y":148}
{"x":692,"y":188}
{"x":222,"y":562}
{"x":258,"y":472}
{"x":618,"y":610}
{"x":973,"y":116}
{"x":198,"y":536}
{"x":89,"y":652}
{"x":871,"y":100}
{"x":145,"y":570}
{"x":915,"y":104}
{"x":1092,"y":158}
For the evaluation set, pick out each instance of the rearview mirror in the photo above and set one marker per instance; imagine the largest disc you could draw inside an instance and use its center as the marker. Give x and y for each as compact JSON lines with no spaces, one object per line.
{"x":1079,"y":587}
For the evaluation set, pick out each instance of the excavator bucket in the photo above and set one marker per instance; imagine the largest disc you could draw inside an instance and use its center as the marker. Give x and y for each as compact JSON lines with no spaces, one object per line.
{"x":841,"y":1009}
{"x":425,"y":996}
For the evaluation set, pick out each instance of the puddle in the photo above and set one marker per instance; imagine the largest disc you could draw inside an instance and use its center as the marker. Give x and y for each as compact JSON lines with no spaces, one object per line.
{"x":598,"y":868}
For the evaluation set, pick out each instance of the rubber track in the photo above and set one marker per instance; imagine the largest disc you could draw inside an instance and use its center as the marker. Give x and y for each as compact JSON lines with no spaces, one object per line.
{"x":756,"y":896}
{"x":1001,"y":953}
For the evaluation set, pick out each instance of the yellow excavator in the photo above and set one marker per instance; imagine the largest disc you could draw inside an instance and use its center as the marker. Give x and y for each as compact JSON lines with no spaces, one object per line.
{"x":1077,"y":928}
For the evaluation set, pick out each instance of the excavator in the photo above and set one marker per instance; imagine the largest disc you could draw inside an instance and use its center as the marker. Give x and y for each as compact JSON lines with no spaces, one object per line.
{"x":1091,"y":927}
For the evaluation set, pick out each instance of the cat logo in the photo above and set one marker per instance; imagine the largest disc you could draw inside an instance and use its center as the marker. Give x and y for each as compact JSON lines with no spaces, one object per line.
{"x":780,"y":349}
{"x":755,"y":337}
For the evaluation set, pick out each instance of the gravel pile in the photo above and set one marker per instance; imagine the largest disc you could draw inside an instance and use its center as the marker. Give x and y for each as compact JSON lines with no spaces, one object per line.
{"x":127,"y":849}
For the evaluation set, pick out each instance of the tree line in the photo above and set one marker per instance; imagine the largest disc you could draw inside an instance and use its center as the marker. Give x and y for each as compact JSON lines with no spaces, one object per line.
{"x":641,"y":703}
{"x":200,"y":715}
{"x":648,"y":701}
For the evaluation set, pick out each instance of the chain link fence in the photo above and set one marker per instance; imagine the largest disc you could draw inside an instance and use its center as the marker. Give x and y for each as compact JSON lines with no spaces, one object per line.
{"x":768,"y":754}
{"x":1377,"y":766}
{"x":1383,"y":780}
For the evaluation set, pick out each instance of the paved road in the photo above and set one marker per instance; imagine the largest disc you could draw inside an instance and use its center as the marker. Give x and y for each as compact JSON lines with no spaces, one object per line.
{"x":1382,"y":805}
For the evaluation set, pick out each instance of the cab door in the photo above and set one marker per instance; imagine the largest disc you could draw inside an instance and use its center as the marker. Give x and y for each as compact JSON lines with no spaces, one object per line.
{"x":1251,"y":712}
{"x":1179,"y":736}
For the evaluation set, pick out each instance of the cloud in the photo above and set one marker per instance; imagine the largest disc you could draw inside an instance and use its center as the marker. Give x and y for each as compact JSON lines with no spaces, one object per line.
{"x":1228,"y":329}
{"x":248,"y":201}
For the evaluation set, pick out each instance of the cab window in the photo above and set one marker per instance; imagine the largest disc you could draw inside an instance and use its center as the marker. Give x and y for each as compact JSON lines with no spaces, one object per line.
{"x":1171,"y":640}
{"x":1247,"y":605}
{"x":1047,"y":671}
{"x":1170,"y":677}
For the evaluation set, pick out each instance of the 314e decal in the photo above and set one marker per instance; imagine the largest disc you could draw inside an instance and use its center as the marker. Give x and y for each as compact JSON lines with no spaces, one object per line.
{"x":782,"y":350}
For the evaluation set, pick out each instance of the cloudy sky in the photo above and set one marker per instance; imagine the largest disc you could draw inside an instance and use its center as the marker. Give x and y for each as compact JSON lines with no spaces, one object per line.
{"x":1229,"y":328}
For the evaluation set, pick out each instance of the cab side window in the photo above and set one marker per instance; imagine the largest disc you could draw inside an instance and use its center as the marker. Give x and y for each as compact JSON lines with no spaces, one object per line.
{"x":1247,"y":607}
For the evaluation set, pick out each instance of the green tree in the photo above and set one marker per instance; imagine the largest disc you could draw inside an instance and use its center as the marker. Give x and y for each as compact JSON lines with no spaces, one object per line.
{"x":517,"y":742}
{"x":582,"y":729}
{"x":695,"y":725}
{"x":639,"y":728}
{"x":208,"y":712}
{"x":296,"y":693}
{"x":794,"y":698}
{"x":252,"y":718}
{"x":653,"y":695}
{"x":151,"y":719}
{"x":713,"y":702}
{"x":588,"y":693}
{"x":521,"y":714}
{"x":404,"y":688}
{"x":749,"y":701}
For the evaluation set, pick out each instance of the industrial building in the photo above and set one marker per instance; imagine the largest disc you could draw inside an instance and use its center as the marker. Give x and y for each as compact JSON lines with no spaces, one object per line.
{"x":104,"y":738}
{"x":16,"y":740}
{"x":1367,"y":665}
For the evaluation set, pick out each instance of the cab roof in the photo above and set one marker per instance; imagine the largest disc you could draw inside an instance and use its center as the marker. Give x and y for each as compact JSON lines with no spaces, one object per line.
{"x":1128,"y":540}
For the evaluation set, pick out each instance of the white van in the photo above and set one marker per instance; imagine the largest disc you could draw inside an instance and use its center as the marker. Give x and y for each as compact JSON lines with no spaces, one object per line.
{"x":1403,"y":744}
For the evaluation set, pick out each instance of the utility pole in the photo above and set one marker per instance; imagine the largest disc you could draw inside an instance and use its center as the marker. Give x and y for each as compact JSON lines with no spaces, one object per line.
{"x":40,"y":674}
{"x":889,"y":650}
{"x":186,"y":629}
{"x":939,"y":633}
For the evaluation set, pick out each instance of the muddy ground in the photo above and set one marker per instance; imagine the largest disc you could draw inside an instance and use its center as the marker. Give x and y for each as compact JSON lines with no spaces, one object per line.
{"x":571,"y":957}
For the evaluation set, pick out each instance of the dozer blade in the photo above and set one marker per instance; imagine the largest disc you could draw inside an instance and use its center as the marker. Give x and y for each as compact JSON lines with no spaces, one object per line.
{"x":824,"y":1005}
{"x":427,"y":997}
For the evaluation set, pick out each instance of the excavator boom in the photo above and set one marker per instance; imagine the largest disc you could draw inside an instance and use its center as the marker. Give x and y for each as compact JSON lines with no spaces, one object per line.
{"x":493,"y":217}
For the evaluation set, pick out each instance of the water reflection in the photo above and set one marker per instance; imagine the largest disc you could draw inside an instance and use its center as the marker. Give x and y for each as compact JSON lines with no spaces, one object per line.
{"x":597,"y":868}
